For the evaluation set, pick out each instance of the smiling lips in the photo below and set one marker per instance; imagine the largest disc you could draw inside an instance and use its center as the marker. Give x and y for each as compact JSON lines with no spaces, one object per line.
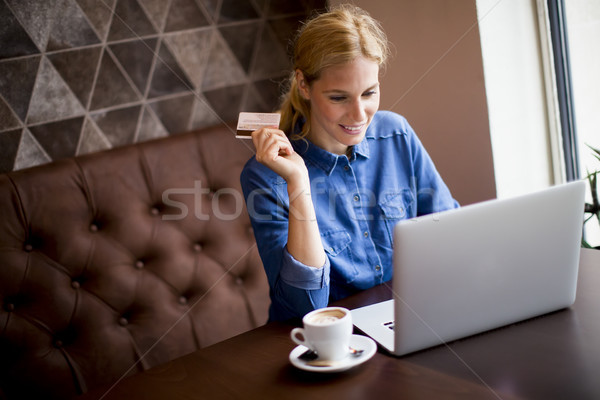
{"x":352,"y":129}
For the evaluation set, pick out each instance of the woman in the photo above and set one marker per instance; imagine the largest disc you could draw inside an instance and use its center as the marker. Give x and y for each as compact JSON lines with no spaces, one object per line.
{"x":325,"y":190}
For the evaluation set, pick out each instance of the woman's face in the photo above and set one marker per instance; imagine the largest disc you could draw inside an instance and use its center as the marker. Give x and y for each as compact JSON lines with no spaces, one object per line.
{"x":343,"y":101}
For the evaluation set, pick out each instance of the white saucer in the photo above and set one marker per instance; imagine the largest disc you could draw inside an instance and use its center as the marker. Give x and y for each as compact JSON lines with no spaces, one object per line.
{"x":357,"y":342}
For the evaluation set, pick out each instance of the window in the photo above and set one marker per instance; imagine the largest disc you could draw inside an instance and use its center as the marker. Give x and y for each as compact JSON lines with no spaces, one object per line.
{"x":582,"y":21}
{"x":518,"y":84}
{"x":541,"y":62}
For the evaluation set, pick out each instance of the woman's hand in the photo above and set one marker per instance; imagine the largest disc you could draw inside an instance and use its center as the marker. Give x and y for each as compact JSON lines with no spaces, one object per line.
{"x":273,"y":149}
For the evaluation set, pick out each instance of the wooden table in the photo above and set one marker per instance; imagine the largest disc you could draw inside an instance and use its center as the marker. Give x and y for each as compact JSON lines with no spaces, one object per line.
{"x":556,"y":356}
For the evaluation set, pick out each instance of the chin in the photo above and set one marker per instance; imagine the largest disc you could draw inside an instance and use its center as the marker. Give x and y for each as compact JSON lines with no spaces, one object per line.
{"x":354,"y":139}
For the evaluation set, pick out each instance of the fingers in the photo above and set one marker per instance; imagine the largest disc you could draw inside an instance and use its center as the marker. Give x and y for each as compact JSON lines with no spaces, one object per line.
{"x":270,"y":143}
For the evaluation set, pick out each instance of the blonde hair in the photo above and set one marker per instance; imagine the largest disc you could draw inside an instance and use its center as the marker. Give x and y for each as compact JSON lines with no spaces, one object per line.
{"x":333,"y":38}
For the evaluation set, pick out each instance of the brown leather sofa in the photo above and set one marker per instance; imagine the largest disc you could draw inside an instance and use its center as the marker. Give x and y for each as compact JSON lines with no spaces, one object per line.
{"x":114,"y":262}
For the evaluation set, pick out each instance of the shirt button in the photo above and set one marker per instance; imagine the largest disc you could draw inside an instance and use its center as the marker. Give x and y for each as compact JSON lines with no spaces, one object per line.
{"x":366,"y":234}
{"x":346,"y":168}
{"x":356,"y":197}
{"x":377,"y":268}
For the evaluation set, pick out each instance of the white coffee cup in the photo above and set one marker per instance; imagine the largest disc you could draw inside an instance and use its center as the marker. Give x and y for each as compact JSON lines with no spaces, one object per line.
{"x":327,"y":331}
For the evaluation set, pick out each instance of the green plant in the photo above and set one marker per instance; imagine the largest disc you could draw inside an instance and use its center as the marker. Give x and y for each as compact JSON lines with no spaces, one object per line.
{"x":592,"y":209}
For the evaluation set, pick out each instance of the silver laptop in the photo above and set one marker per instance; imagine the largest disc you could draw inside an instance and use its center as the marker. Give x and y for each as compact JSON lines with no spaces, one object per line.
{"x":480,"y":267}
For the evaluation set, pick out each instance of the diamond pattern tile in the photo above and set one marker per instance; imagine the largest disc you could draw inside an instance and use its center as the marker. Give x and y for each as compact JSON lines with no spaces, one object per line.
{"x":136,"y":59}
{"x":70,"y":29}
{"x":59,"y":139}
{"x":30,"y":152}
{"x":271,"y":58}
{"x":203,"y":114}
{"x":77,"y":68}
{"x":35,"y":17}
{"x":191,"y":50}
{"x":151,"y":127}
{"x":168,"y":76}
{"x":112,"y":88}
{"x":223,"y":68}
{"x":52,"y":99}
{"x":211,"y":6}
{"x":237,"y":10}
{"x":175,"y":113}
{"x":254,"y":101}
{"x":9,"y":144}
{"x":15,"y":40}
{"x":99,"y":13}
{"x":283,"y":29}
{"x":7,"y":118}
{"x":129,"y":21}
{"x":269,"y":91}
{"x":118,"y":126}
{"x":22,"y":70}
{"x":184,"y":14}
{"x":157,"y":11}
{"x":92,"y":139}
{"x":226,"y":101}
{"x":79,"y":76}
{"x":242,"y":39}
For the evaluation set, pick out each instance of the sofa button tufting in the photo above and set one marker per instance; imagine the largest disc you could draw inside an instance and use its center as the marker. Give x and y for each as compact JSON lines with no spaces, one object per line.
{"x":139,"y":264}
{"x":154,"y":211}
{"x":28,"y":248}
{"x":94,"y":228}
{"x":197,"y":247}
{"x":183,"y":300}
{"x":58,"y":343}
{"x":75,"y":285}
{"x":123,"y":321}
{"x":9,"y":307}
{"x":239,"y":281}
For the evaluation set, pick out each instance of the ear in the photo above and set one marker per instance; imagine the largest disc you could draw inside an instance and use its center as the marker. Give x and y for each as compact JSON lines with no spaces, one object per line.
{"x":303,"y":87}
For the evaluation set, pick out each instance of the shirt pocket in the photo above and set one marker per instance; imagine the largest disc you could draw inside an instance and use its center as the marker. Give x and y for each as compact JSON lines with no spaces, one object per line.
{"x":337,"y":245}
{"x":395,"y":207}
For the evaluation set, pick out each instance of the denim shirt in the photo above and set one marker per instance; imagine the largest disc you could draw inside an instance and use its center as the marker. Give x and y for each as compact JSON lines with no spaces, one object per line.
{"x":358,"y":200}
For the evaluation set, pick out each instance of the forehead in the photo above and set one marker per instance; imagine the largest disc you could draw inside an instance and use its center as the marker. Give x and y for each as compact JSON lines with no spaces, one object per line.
{"x":360,"y":73}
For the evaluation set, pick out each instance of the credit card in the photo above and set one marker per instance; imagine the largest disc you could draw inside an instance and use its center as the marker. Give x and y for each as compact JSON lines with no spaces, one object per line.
{"x":248,"y":122}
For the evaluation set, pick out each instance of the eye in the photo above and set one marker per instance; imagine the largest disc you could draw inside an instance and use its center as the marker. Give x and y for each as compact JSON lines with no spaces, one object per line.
{"x":370,"y":93}
{"x":337,"y":99}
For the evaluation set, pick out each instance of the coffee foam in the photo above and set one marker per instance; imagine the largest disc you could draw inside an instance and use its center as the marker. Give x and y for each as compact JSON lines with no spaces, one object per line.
{"x":327,"y":317}
{"x":324,"y":320}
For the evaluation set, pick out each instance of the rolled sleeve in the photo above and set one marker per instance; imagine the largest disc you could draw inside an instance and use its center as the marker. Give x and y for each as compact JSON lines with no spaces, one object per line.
{"x":301,"y":276}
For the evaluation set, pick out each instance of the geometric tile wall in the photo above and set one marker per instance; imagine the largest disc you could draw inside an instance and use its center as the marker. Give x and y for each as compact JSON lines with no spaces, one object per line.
{"x":78,"y":76}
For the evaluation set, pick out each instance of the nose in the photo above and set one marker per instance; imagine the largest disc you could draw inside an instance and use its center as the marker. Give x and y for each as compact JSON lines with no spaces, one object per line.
{"x":357,"y":111}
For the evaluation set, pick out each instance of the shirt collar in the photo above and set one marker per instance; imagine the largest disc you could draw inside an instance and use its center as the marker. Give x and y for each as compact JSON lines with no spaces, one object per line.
{"x":325,"y":160}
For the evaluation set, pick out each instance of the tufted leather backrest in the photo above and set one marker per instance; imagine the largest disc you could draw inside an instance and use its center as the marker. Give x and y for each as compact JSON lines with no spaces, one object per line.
{"x":114,"y":262}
